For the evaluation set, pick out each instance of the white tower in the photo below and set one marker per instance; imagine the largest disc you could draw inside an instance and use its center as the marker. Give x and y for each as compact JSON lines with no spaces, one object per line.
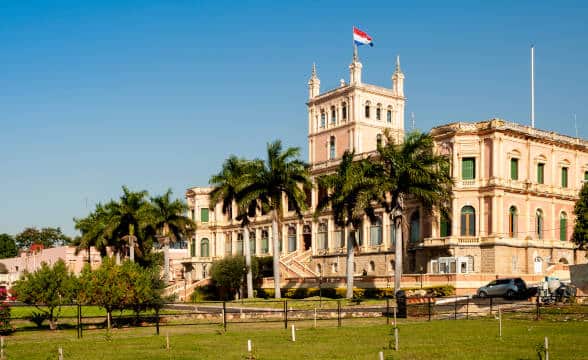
{"x":398,"y":79}
{"x":355,"y":69}
{"x":314,"y":84}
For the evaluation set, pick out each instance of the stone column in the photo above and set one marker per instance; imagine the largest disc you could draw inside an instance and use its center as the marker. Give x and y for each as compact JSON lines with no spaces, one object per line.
{"x":481,"y":228}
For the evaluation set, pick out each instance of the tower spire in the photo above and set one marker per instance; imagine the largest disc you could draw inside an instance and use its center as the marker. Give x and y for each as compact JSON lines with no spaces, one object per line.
{"x":398,"y":79}
{"x":314,"y":84}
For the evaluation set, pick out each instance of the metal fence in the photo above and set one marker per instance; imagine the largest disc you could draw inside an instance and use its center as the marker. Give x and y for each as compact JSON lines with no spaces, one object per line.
{"x":283,"y":312}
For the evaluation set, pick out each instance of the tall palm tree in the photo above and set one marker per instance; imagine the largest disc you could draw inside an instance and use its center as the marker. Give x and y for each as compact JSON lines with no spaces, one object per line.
{"x":350,"y":198}
{"x":92,"y":229}
{"x":235,"y":175}
{"x":411,"y":170}
{"x":169,"y":223}
{"x":282,"y":173}
{"x":131,"y":211}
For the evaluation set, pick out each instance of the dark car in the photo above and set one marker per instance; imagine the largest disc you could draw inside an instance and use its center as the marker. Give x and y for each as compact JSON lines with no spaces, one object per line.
{"x":507,"y":288}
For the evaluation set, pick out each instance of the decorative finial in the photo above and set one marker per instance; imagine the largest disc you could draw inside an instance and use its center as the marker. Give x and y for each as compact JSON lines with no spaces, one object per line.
{"x":398,"y":63}
{"x":313,"y":74}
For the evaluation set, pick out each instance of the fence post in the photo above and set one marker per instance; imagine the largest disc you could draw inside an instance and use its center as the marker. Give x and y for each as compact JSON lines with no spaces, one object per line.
{"x":429,"y":308}
{"x":79,"y":321}
{"x":387,"y":311}
{"x":225,"y":316}
{"x":157,"y":321}
{"x":339,"y":313}
{"x":538,"y":311}
{"x":285,"y":314}
{"x":455,"y":308}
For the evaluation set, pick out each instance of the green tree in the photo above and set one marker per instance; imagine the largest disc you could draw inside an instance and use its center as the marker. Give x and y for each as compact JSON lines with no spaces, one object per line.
{"x":47,"y":289}
{"x":411,"y":170}
{"x":236,"y":174}
{"x":117,"y":287}
{"x":230,"y":271}
{"x":282,"y":173}
{"x":48,"y":237}
{"x":350,"y":198}
{"x":168,"y":223}
{"x":7,"y":246}
{"x":93,"y":232}
{"x":580,"y":236}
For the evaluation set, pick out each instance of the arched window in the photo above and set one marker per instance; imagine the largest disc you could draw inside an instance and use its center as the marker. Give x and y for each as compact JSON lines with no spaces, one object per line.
{"x":376,"y":232}
{"x":322,"y":236}
{"x":333,"y":115}
{"x":344,"y":111}
{"x":319,"y":269}
{"x":539,"y":224}
{"x":323,"y":119}
{"x":389,"y":116}
{"x":415,"y":227}
{"x":252,"y":238}
{"x":372,"y":266}
{"x":445,"y":226}
{"x":291,"y":238}
{"x":334,"y":268}
{"x":379,"y":112}
{"x":563,"y":226}
{"x":512,"y":222}
{"x":468,"y":221}
{"x":204,"y":247}
{"x":378,"y":140}
{"x":264,"y":241}
{"x":332,"y":147}
{"x":193,"y":248}
{"x":367,"y":110}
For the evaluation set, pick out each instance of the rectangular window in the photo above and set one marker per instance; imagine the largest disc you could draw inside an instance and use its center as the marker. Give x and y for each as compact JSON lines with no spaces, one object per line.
{"x":204,"y":215}
{"x":514,"y":169}
{"x":540,"y":173}
{"x":344,"y":112}
{"x":389,"y":116}
{"x":468,"y":168}
{"x":586,"y":176}
{"x":564,"y":177}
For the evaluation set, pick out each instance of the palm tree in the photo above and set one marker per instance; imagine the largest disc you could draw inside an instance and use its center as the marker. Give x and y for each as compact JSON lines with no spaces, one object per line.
{"x":168,"y":222}
{"x":130,"y":212}
{"x":228,"y":184}
{"x":411,"y":170}
{"x":350,"y":198}
{"x":282,"y":173}
{"x":92,"y":229}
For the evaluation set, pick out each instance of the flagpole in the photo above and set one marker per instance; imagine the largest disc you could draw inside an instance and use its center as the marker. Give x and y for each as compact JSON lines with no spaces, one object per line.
{"x":355,"y":56}
{"x":532,"y":86}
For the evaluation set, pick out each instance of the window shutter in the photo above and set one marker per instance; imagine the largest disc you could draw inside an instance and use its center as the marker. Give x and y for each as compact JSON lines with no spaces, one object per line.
{"x":514,"y":169}
{"x":540,"y":173}
{"x":204,"y":214}
{"x":563,"y":224}
{"x":468,"y":168}
{"x":564,"y":177}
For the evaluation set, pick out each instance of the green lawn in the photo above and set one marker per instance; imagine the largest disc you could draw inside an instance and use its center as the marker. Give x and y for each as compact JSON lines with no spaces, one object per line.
{"x":357,"y":339}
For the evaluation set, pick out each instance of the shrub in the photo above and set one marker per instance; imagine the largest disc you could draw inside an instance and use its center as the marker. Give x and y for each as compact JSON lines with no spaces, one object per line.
{"x":205,"y":293}
{"x":266,"y":293}
{"x":5,"y":318}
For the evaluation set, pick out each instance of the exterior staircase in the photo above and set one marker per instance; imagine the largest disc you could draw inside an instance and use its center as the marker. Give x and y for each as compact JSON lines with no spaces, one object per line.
{"x":295,"y":264}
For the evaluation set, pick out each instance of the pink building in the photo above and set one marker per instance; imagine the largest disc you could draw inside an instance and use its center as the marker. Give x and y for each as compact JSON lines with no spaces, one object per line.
{"x":512,"y":205}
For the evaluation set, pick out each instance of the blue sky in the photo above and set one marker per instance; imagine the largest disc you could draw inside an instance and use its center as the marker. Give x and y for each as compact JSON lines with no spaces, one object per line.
{"x":156,"y":94}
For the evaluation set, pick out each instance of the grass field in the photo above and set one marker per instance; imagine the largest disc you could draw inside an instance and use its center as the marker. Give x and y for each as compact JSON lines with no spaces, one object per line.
{"x":357,"y":339}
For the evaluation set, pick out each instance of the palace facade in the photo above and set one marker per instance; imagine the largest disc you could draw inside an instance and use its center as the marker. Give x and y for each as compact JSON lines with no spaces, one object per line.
{"x":511,"y":211}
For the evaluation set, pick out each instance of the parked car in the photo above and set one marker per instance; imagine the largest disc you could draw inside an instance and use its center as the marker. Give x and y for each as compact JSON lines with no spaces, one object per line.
{"x":507,"y":288}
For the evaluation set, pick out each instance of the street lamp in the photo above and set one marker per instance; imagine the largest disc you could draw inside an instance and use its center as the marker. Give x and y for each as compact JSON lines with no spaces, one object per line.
{"x":321,"y":287}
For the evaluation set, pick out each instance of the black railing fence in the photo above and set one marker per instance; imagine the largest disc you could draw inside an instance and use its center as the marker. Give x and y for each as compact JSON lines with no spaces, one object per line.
{"x":283,"y":312}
